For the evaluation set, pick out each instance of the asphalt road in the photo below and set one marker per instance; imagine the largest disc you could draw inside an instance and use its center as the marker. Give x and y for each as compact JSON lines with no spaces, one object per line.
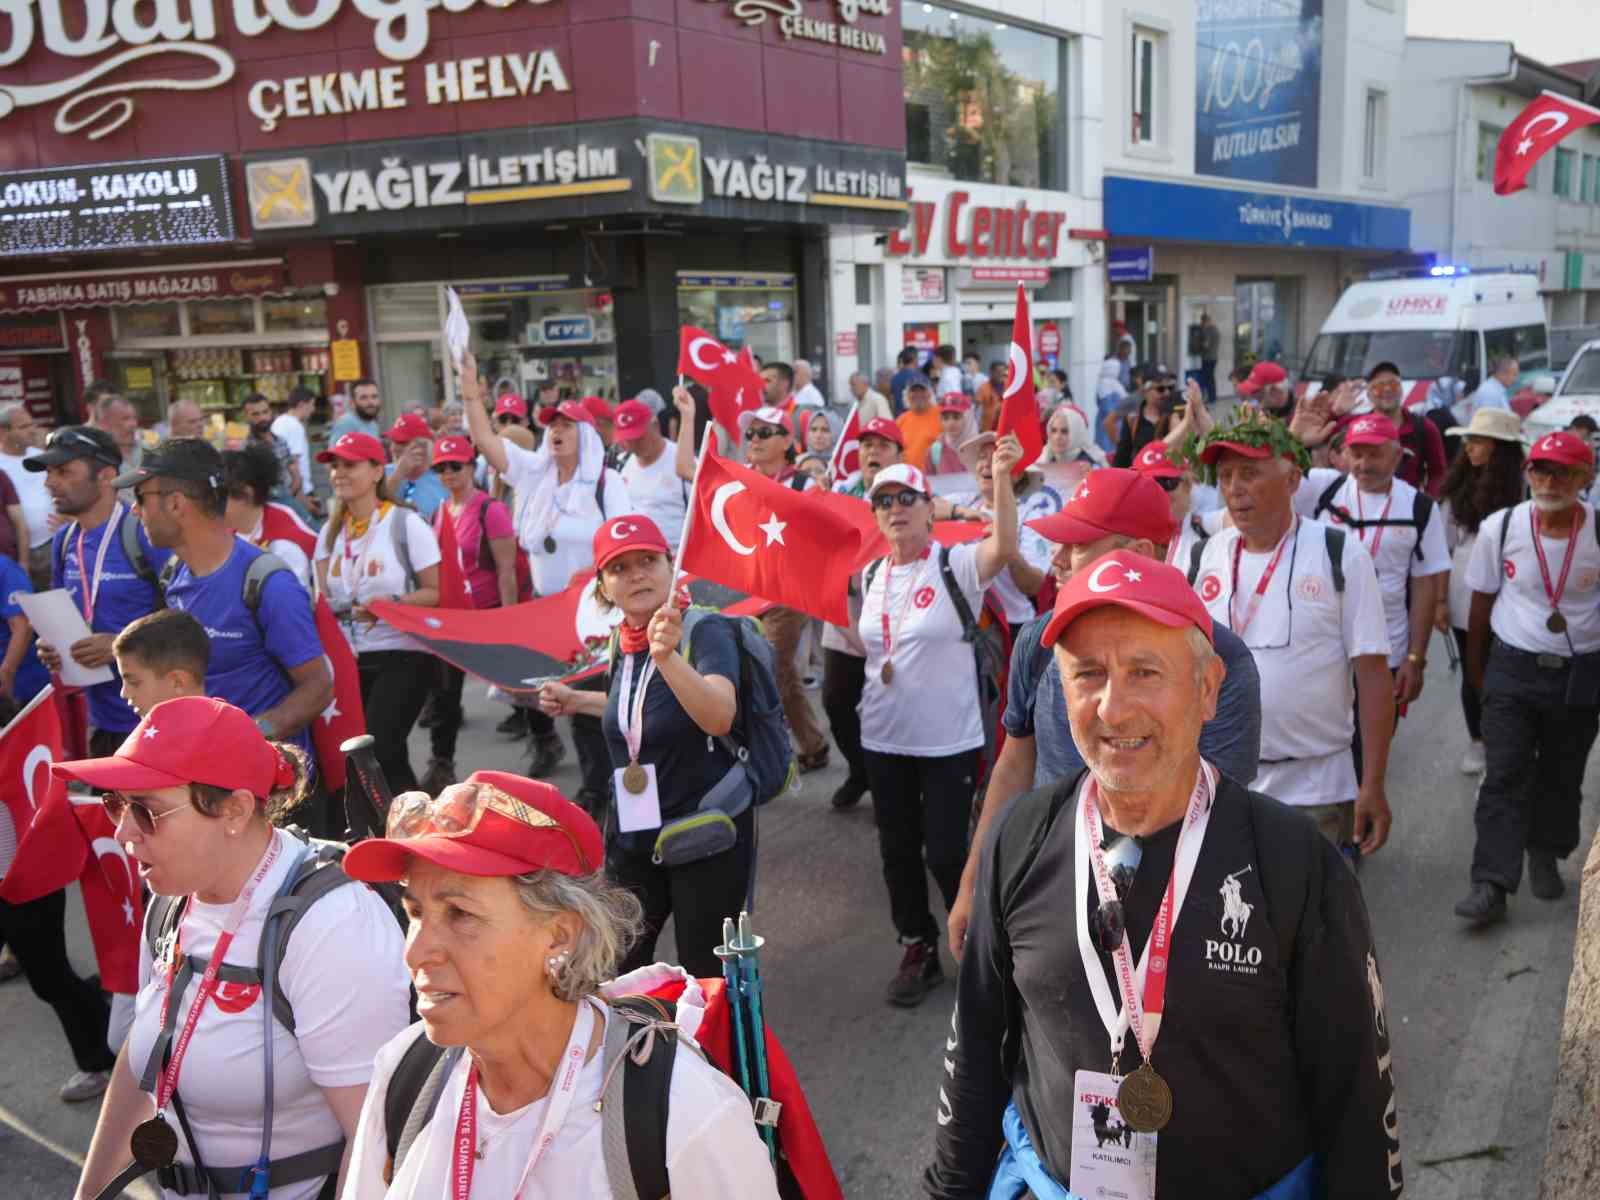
{"x":1476,"y":1016}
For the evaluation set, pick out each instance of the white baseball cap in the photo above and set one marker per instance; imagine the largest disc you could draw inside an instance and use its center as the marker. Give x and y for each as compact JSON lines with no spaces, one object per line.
{"x":902,"y":475}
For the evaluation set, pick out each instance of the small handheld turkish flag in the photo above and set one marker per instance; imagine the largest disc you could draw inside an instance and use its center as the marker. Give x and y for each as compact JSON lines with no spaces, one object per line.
{"x":1537,"y":128}
{"x":344,"y":718}
{"x":768,"y":540}
{"x":50,"y":848}
{"x":847,"y":450}
{"x":1019,"y":410}
{"x":454,"y":590}
{"x":731,"y":381}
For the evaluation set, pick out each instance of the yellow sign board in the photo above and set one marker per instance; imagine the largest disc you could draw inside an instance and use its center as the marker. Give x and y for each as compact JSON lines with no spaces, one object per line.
{"x":346,"y":360}
{"x":674,"y":169}
{"x":138,"y":379}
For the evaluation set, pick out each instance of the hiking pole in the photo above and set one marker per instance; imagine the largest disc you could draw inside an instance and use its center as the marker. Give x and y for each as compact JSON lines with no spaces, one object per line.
{"x":364,"y":779}
{"x":730,"y":979}
{"x":766,"y":1109}
{"x":1450,"y":651}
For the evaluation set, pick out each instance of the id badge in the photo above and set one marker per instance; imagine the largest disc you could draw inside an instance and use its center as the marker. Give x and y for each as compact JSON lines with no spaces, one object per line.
{"x":637,"y":811}
{"x":1108,"y":1159}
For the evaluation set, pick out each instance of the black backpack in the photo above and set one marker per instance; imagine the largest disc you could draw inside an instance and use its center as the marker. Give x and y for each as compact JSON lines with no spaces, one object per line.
{"x":1332,"y":538}
{"x":1421,"y":511}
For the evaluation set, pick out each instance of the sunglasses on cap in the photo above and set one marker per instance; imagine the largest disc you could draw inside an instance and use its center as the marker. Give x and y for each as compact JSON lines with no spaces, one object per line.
{"x":458,"y":811}
{"x":905,"y":498}
{"x":1108,"y":924}
{"x":760,"y":433}
{"x":144,"y":816}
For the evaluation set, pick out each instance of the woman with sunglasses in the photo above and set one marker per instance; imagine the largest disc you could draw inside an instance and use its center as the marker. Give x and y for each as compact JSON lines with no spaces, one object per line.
{"x":512,"y":931}
{"x":922,"y":724}
{"x":191,"y":792}
{"x":487,"y":546}
{"x":375,"y":549}
{"x":1149,"y":421}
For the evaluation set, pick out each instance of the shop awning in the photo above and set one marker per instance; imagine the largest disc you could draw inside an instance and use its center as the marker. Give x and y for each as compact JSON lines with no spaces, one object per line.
{"x":142,"y":285}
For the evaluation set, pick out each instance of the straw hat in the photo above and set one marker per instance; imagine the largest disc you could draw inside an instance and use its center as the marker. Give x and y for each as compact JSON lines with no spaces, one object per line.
{"x":1501,"y":424}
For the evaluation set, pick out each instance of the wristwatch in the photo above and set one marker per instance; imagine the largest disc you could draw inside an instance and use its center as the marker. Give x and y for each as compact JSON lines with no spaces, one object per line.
{"x":1417,"y":659}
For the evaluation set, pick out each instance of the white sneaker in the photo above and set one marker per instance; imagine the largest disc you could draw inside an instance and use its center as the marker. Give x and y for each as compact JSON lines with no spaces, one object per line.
{"x":1472,"y":760}
{"x":84,"y":1085}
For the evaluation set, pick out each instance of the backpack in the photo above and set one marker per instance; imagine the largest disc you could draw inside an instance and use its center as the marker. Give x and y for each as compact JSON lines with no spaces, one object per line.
{"x":759,"y":739}
{"x":486,"y":556}
{"x":1421,"y":511}
{"x":1333,"y":538}
{"x":1505,"y":529}
{"x":132,"y":550}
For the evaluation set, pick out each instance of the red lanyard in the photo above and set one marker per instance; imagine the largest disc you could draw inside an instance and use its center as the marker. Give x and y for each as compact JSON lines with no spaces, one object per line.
{"x":1239,"y":626}
{"x":889,"y":639}
{"x":168,"y":1082}
{"x":464,"y":1147}
{"x":1566,"y":562}
{"x":91,"y":586}
{"x":1361,"y":516}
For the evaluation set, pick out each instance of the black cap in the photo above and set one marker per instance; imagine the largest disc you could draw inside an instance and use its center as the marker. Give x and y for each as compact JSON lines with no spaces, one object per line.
{"x":76,"y":441}
{"x":179,"y":458}
{"x":919,"y":380}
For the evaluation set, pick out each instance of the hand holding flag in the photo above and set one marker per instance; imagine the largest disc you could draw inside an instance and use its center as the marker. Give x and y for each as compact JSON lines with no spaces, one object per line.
{"x":1019,"y":410}
{"x":1536,"y":129}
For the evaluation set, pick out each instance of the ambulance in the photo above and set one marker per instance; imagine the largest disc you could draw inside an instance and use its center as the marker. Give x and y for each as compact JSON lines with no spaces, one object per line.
{"x":1448,"y":322}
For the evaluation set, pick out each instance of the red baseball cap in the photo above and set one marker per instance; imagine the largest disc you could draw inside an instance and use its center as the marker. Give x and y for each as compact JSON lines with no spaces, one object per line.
{"x":886,"y":429}
{"x":632,"y":418}
{"x":510,"y":402}
{"x":1216,"y":450}
{"x":355,"y":447}
{"x":598,"y":408}
{"x":1156,"y":462}
{"x":1563,"y":448}
{"x":193,"y":739}
{"x":622,"y":534}
{"x":954,"y":402}
{"x":1119,"y":577}
{"x":409,"y":428}
{"x":1371,"y":429}
{"x":572,"y":410}
{"x":453,"y":449}
{"x":513,"y":826}
{"x":1267,"y":374}
{"x":1111,"y":500}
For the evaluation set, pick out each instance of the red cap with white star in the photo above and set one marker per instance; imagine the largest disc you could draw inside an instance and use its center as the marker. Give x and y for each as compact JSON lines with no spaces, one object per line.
{"x":1127,"y":580}
{"x":622,"y":534}
{"x":1563,"y":448}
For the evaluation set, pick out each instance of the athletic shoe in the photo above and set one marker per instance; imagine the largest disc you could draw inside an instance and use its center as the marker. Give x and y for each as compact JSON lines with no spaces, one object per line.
{"x":515,"y":724}
{"x":1544,"y":881}
{"x":10,"y":968}
{"x":441,"y":773}
{"x":1472,"y":760}
{"x":849,"y":793}
{"x":548,"y":753}
{"x":1484,"y":905}
{"x":920,"y":972}
{"x":84,"y":1085}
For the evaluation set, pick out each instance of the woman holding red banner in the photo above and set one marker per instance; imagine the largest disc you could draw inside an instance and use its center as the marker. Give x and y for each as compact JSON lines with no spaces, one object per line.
{"x":922,"y":724}
{"x":190,"y":792}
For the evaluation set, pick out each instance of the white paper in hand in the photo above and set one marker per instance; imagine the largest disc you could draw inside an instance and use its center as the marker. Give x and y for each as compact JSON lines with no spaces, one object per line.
{"x":457,"y":333}
{"x":57,"y":621}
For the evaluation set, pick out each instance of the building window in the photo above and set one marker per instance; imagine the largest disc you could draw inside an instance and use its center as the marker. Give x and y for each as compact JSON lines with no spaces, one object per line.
{"x":1375,"y":137}
{"x":1566,"y":160}
{"x":1145,"y":129}
{"x":1591,"y":179}
{"x":864,"y":285}
{"x":1488,"y":141}
{"x":985,"y":101}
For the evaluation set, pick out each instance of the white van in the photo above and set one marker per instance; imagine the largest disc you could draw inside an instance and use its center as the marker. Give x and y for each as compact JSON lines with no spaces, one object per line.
{"x":1431,"y":327}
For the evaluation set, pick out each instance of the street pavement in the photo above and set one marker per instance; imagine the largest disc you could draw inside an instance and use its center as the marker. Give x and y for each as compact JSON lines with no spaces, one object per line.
{"x":1475,"y":1018}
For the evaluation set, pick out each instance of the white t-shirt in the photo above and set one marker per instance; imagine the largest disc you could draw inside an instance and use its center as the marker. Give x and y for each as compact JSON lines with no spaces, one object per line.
{"x":713,"y":1151}
{"x":36,"y":503}
{"x":1302,"y":638}
{"x":810,"y":396}
{"x":367,"y":569}
{"x":930,"y":709}
{"x":289,"y":427}
{"x":950,"y":380}
{"x":1522,"y":608}
{"x":1037,"y":551}
{"x":576,"y":517}
{"x":1460,"y":540}
{"x":658,"y":492}
{"x":1393,"y":548}
{"x":345,"y":976}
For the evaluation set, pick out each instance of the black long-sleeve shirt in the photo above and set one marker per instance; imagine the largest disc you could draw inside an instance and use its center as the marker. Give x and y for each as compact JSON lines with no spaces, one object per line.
{"x":1274,"y":1041}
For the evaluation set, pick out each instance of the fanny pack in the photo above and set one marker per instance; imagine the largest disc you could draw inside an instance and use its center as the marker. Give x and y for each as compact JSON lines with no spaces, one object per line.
{"x":709,"y":829}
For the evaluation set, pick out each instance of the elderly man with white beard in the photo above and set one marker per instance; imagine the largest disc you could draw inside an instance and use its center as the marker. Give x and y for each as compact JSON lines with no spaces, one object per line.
{"x":1209,"y":1023}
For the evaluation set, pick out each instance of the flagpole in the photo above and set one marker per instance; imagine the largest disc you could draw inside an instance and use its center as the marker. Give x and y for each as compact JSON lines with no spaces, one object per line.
{"x":837,"y":465}
{"x":694,"y":491}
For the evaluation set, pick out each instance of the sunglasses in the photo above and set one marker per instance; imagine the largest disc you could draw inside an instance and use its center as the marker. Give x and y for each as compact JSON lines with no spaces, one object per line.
{"x":905,"y":498}
{"x":458,"y":811}
{"x":142,"y":499}
{"x":1169,"y":483}
{"x":449,"y":468}
{"x":1387,"y":387}
{"x":1108,"y":924}
{"x":506,"y":418}
{"x":1161,"y":387}
{"x":143,"y":815}
{"x":760,"y":433}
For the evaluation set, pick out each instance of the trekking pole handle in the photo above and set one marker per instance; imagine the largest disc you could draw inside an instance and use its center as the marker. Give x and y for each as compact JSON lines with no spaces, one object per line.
{"x":363,"y":769}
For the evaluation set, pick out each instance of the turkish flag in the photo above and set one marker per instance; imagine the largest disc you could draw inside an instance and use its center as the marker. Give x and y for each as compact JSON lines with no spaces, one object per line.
{"x":1019,"y":411}
{"x":454,"y":591}
{"x":768,"y":540}
{"x":847,"y":450}
{"x":731,"y":381}
{"x":1537,"y":128}
{"x":111,"y":898}
{"x":344,"y":718}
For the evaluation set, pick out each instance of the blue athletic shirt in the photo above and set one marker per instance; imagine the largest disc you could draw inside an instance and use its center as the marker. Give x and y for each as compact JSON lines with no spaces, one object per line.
{"x":424,"y":493}
{"x":251,"y":653}
{"x":31,"y":675}
{"x":124,"y":596}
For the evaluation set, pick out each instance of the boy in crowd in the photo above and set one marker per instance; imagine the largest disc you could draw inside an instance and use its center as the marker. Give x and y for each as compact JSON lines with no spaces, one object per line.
{"x":161,"y":656}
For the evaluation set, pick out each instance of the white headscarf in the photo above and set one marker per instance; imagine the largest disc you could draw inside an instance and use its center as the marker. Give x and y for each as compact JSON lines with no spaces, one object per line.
{"x":1082,"y":443}
{"x":1110,"y":381}
{"x":550,"y":496}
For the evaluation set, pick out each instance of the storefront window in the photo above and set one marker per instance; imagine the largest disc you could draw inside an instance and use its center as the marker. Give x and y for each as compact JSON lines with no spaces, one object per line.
{"x":147,"y":321}
{"x":208,"y":317}
{"x":984,"y":99}
{"x":1267,"y":315}
{"x":759,"y":310}
{"x":283,"y":313}
{"x":532,"y":330}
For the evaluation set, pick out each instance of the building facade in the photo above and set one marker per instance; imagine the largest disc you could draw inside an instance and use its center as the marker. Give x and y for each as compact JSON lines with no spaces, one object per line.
{"x":1456,"y":100}
{"x":1249,"y":170}
{"x":1001,"y":110}
{"x":283,"y":197}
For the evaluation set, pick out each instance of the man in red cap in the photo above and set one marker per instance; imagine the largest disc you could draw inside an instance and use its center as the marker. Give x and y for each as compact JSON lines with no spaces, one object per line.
{"x":1535,"y":580}
{"x":650,"y":469}
{"x":1119,"y":1024}
{"x":1112,"y":510}
{"x":1267,"y":386}
{"x":1304,"y":598}
{"x":411,"y":477}
{"x":1422,"y":463}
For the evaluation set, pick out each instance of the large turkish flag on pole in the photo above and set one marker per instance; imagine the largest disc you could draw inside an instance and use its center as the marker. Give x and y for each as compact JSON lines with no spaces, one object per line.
{"x":1019,"y":410}
{"x":731,"y":382}
{"x":768,"y":540}
{"x":1537,"y":128}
